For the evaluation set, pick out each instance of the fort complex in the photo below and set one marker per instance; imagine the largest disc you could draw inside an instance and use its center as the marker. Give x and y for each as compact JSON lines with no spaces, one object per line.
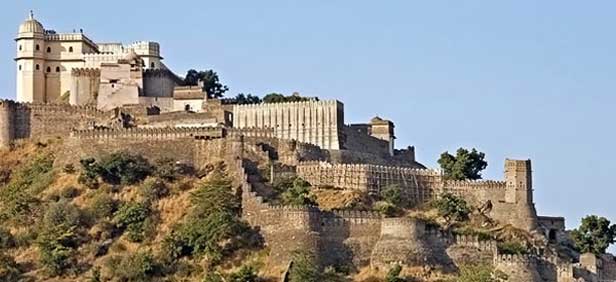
{"x":101,"y":98}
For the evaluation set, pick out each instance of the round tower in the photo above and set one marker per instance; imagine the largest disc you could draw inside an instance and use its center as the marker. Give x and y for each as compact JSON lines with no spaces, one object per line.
{"x":30,"y":61}
{"x":519,"y":192}
{"x":6,"y":124}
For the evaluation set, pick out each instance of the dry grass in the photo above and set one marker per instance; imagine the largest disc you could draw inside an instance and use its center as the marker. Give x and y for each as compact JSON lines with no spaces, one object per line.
{"x":331,"y":199}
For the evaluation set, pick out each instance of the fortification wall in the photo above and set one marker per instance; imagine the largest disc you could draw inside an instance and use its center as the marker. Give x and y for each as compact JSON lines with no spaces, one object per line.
{"x":518,"y":268}
{"x":315,"y":122}
{"x":85,"y":83}
{"x":159,"y":83}
{"x":359,"y":141}
{"x":26,"y":120}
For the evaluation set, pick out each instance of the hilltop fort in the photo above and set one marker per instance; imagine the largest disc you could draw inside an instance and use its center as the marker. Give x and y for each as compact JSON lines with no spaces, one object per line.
{"x":101,"y":98}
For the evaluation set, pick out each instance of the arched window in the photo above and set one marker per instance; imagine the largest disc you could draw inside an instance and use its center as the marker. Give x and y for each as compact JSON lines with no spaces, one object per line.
{"x":57,"y":69}
{"x":48,"y":49}
{"x":19,"y":47}
{"x":152,"y":65}
{"x":19,"y":67}
{"x":70,"y":49}
{"x":38,"y":48}
{"x":38,"y":67}
{"x":48,"y":69}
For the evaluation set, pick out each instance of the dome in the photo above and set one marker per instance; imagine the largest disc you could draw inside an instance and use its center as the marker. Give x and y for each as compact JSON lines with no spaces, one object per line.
{"x":31,"y":25}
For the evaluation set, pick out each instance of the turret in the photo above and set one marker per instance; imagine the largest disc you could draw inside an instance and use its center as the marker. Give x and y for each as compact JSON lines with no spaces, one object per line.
{"x":519,"y":193}
{"x":30,"y":61}
{"x":384,"y":130}
{"x":6,"y":124}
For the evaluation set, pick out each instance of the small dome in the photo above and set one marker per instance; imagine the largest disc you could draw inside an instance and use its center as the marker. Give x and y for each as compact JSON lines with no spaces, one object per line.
{"x":31,"y":25}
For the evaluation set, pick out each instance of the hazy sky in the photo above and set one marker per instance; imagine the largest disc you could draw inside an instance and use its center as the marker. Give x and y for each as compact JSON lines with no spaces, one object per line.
{"x":520,"y":79}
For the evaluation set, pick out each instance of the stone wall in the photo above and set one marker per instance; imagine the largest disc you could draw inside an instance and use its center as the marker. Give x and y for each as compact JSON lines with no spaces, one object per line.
{"x":159,"y":82}
{"x":42,"y":121}
{"x":84,"y":86}
{"x":314,"y":122}
{"x":359,"y":140}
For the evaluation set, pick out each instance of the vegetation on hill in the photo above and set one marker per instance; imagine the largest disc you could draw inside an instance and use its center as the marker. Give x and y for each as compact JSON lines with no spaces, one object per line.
{"x":464,"y":165}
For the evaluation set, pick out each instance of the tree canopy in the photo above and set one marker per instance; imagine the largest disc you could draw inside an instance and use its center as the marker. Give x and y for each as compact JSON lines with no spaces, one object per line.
{"x":281,"y":98}
{"x":211,"y":82}
{"x":464,"y":165}
{"x":242,"y":99}
{"x":594,"y":235}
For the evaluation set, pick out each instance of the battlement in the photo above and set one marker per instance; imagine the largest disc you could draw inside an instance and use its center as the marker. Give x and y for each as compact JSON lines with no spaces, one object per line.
{"x":500,"y":259}
{"x":88,"y":72}
{"x":252,"y":132}
{"x":150,"y":133}
{"x":518,"y":164}
{"x":311,"y":102}
{"x":69,"y":37}
{"x":475,"y":184}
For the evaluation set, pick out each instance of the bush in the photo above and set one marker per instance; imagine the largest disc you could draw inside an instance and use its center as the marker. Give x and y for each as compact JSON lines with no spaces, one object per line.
{"x":69,"y":192}
{"x":393,"y":275}
{"x":134,"y":267}
{"x":6,"y":239}
{"x":102,"y":205}
{"x":153,"y":189}
{"x":69,"y":168}
{"x":17,"y":199}
{"x":117,"y":168}
{"x":245,"y":274}
{"x":57,"y":239}
{"x":480,"y":273}
{"x":512,"y":248}
{"x":298,"y":194}
{"x":386,"y":209}
{"x":131,"y":217}
{"x":452,"y":207}
{"x":170,"y":170}
{"x":304,"y":268}
{"x":393,"y":195}
{"x":9,"y":270}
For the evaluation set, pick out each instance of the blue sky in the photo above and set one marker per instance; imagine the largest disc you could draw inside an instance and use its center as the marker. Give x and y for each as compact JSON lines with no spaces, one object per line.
{"x":519,"y":79}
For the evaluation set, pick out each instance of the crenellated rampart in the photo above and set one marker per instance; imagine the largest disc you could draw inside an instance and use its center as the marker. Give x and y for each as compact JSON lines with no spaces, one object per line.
{"x":169,"y":133}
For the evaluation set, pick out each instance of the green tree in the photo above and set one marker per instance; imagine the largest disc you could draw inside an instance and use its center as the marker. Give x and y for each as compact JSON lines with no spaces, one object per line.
{"x":280,"y":98}
{"x":245,"y":274}
{"x":298,"y":194}
{"x":393,"y":195}
{"x":464,"y":165}
{"x":242,"y":99}
{"x":304,"y":268}
{"x":452,"y":207}
{"x":594,"y":235}
{"x":211,"y":82}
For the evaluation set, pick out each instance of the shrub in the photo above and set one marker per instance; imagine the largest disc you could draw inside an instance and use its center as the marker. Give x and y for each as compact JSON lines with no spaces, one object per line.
{"x":117,"y":168}
{"x":57,"y":238}
{"x":139,"y":266}
{"x":245,"y":274}
{"x":393,"y":195}
{"x":131,"y":217}
{"x":69,"y":192}
{"x":393,"y":275}
{"x":480,"y":273}
{"x":9,"y":270}
{"x":298,"y":194}
{"x":68,"y":168}
{"x":452,"y":207}
{"x":512,"y":248}
{"x":17,"y":199}
{"x":56,"y":249}
{"x":102,"y":205}
{"x":6,"y":239}
{"x":153,"y":189}
{"x":386,"y":209}
{"x":304,"y":268}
